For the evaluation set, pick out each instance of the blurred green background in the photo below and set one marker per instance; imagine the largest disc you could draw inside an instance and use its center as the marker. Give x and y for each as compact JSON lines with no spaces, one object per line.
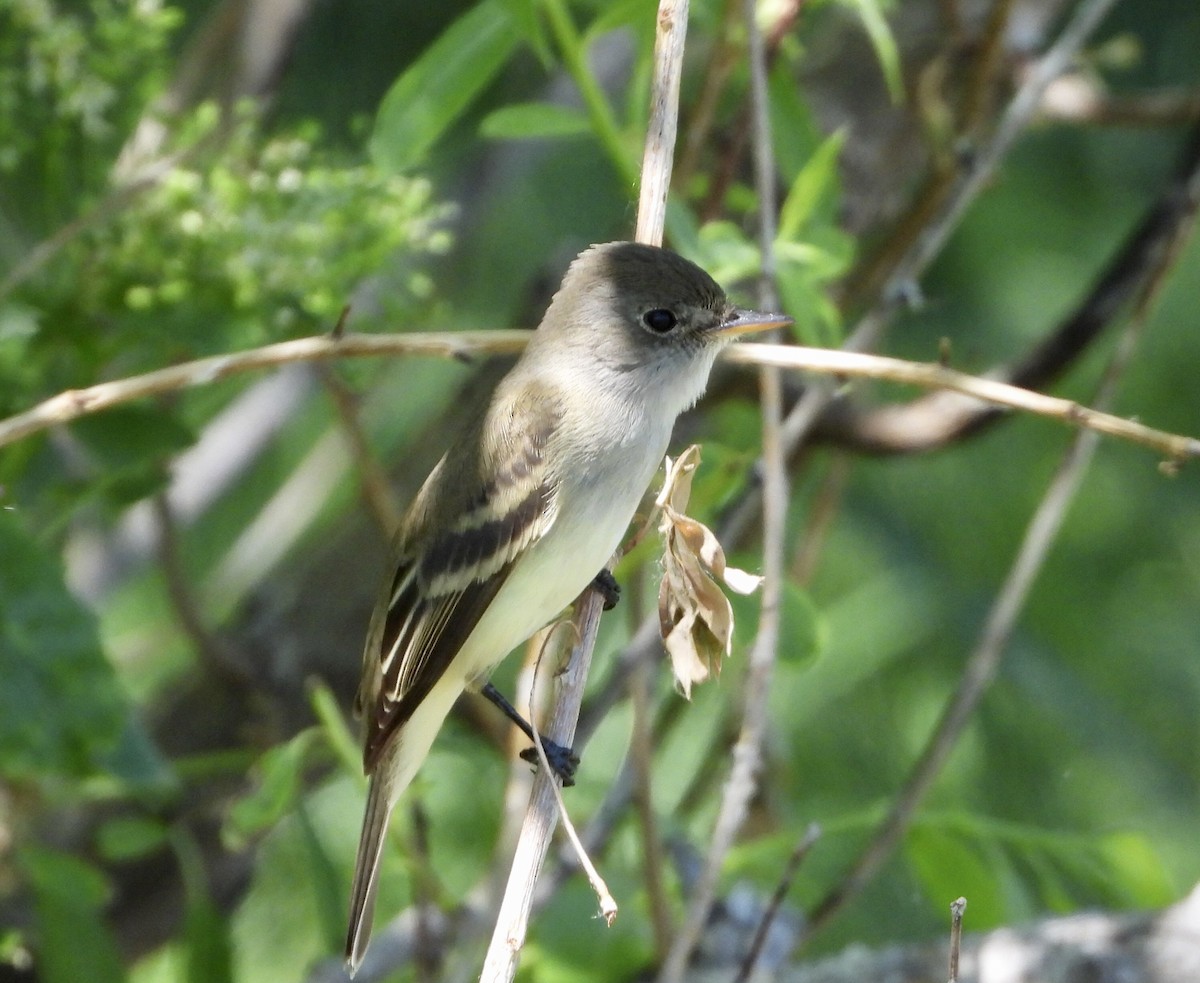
{"x":185,"y":580}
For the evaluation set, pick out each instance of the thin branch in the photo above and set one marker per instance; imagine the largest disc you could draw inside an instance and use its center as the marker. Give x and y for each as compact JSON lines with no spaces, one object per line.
{"x":928,"y":375}
{"x":608,"y":905}
{"x":983,"y":70}
{"x":944,"y":207}
{"x":799,"y":853}
{"x":74,"y":403}
{"x":373,"y":480}
{"x":957,"y":909}
{"x":508,"y":938}
{"x":937,"y":419}
{"x":742,"y":783}
{"x":512,"y":921}
{"x":664,"y":121}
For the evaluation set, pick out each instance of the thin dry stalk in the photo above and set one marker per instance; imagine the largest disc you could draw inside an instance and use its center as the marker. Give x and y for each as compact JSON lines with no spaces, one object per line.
{"x":957,"y":910}
{"x":512,"y":922}
{"x":500,"y":964}
{"x":741,"y":785}
{"x":799,"y":853}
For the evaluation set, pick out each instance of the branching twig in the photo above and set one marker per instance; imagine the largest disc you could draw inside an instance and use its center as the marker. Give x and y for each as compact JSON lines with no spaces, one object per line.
{"x":508,"y":937}
{"x":74,"y":403}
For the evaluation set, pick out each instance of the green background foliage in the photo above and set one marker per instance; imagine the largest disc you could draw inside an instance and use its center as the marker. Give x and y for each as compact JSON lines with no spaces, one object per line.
{"x":414,"y":166}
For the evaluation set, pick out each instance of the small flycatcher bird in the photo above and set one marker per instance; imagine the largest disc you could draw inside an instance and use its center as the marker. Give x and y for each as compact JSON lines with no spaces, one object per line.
{"x":530,"y":502}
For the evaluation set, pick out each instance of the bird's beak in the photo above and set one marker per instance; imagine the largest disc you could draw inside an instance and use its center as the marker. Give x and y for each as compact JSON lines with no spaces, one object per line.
{"x":747,"y":322}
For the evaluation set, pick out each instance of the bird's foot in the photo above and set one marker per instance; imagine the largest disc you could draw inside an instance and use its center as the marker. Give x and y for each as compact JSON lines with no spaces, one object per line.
{"x":608,"y":587}
{"x":563,"y":761}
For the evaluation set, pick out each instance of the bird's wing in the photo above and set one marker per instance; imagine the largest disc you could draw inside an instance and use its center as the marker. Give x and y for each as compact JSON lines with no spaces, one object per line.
{"x":450,"y":569}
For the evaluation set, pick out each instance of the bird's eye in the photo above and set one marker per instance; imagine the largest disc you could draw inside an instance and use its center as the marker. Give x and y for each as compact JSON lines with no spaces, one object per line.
{"x":659,"y":320}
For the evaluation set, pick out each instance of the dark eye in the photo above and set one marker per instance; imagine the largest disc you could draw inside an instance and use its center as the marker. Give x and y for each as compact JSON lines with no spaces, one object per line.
{"x":659,"y":320}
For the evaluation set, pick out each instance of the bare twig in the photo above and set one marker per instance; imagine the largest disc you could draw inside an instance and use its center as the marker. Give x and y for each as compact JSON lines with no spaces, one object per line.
{"x":747,"y":752}
{"x":985,"y":62}
{"x":608,"y":905}
{"x":664,"y":120}
{"x":937,"y":419}
{"x":500,"y":964}
{"x":942,"y":209}
{"x":508,"y":937}
{"x":74,"y":403}
{"x":811,"y":835}
{"x":957,"y":910}
{"x":376,"y":490}
{"x":936,"y":376}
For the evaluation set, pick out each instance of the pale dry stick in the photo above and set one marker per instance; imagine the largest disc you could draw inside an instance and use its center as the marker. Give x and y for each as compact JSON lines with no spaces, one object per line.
{"x":957,"y":909}
{"x":74,"y":403}
{"x":984,"y":661}
{"x":608,"y":904}
{"x":659,"y":152}
{"x":931,"y":375}
{"x":740,"y":786}
{"x":512,"y":921}
{"x":508,"y":938}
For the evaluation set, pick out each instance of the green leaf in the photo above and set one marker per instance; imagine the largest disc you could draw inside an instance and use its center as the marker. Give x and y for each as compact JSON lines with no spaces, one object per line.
{"x":205,"y":930}
{"x":533,"y":31}
{"x":949,"y":867}
{"x":128,"y":436}
{"x":1134,"y":872}
{"x":69,"y":896}
{"x":814,"y":185}
{"x":870,"y":12}
{"x":431,"y":94}
{"x":61,"y":708}
{"x":279,"y":775}
{"x":129,"y":837}
{"x":534,"y":120}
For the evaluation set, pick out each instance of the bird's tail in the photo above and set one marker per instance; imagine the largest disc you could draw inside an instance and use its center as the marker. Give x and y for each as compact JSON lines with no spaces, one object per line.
{"x":396,"y":767}
{"x":366,"y":872}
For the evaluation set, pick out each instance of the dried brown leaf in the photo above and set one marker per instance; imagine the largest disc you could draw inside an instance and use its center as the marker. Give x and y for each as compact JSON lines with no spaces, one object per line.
{"x":695,"y":617}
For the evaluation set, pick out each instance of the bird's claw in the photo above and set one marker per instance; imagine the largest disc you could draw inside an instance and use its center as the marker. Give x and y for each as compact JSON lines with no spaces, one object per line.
{"x":563,"y":761}
{"x":608,"y":587}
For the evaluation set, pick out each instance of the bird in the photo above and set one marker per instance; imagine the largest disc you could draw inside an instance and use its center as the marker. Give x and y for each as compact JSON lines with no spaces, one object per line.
{"x":530,"y":501}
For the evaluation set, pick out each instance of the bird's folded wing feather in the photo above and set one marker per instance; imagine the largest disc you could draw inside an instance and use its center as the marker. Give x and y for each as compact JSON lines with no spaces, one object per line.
{"x":450,"y":568}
